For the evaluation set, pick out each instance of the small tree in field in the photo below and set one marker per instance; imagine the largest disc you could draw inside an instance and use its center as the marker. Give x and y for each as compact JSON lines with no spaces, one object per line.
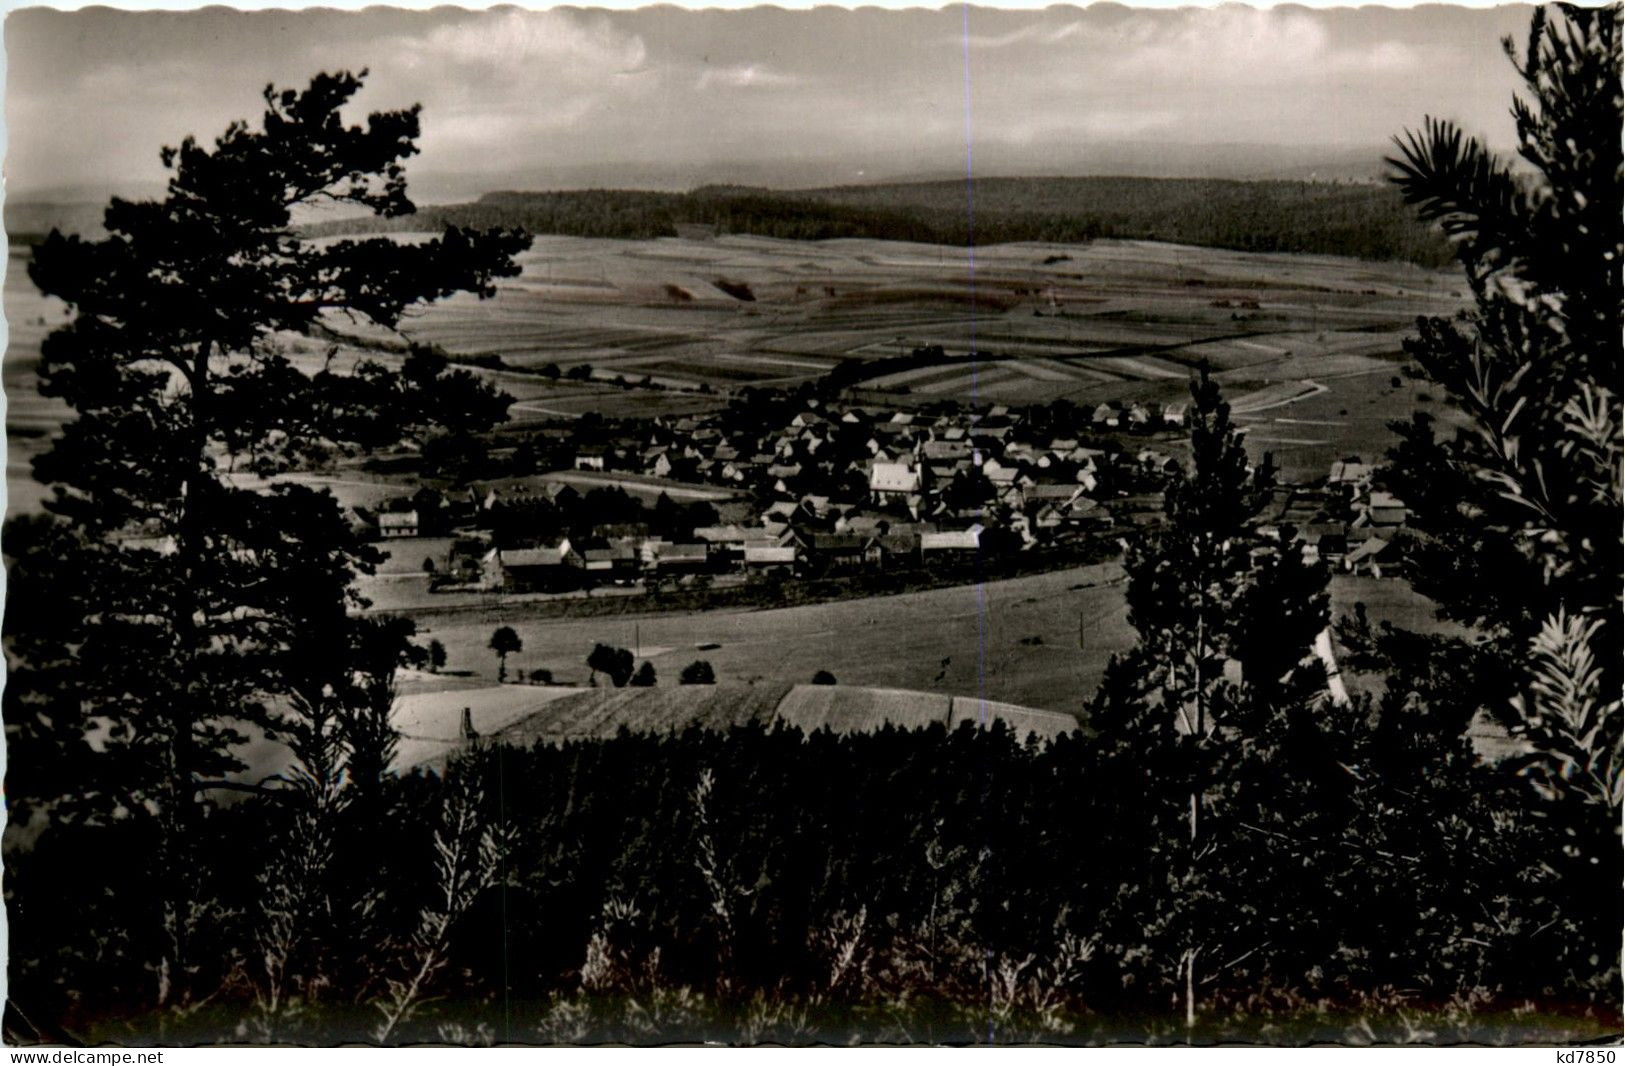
{"x":823,"y":677}
{"x":616,"y":663}
{"x":698,"y":672}
{"x":645,"y":677}
{"x":505,"y":642}
{"x":437,"y":656}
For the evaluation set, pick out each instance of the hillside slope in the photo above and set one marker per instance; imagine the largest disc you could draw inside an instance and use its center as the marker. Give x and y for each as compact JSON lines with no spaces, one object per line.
{"x":1366,"y":221}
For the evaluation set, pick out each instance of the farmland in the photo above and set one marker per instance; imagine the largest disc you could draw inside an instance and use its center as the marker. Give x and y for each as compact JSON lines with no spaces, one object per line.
{"x":1041,"y":641}
{"x":1308,"y":349}
{"x":964,"y":641}
{"x":1295,"y":339}
{"x":1307,"y":346}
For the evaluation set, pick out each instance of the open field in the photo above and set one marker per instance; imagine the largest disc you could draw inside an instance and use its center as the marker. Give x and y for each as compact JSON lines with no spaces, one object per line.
{"x":1107,"y":321}
{"x":1016,"y":641}
{"x":643,"y":485}
{"x":430,"y":719}
{"x":1313,"y":339}
{"x":966,"y":640}
{"x":948,"y":655}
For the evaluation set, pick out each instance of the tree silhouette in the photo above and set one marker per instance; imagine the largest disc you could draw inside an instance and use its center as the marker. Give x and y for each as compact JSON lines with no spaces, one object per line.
{"x":437,"y":656}
{"x":614,"y":662}
{"x":1205,"y":589}
{"x":698,"y":672}
{"x":190,"y":600}
{"x":1516,"y":517}
{"x":505,"y":642}
{"x":645,"y":677}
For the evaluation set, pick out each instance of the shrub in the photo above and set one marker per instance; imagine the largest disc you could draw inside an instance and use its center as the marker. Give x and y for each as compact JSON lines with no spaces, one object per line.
{"x":698,"y":672}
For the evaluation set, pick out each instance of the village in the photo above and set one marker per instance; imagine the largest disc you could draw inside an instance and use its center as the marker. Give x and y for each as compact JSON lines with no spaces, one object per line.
{"x":782,"y":485}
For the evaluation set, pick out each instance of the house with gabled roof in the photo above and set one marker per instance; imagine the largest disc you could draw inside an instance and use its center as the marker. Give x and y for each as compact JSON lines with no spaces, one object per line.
{"x":1372,"y":556}
{"x":951,"y":542}
{"x":892,"y":481}
{"x":1387,"y":511}
{"x":395,"y":524}
{"x":1349,"y":473}
{"x":862,"y":524}
{"x":552,"y":568}
{"x":941,"y":451}
{"x":665,"y":557}
{"x":832,"y":552}
{"x":1038,"y":495}
{"x":771,"y":558}
{"x":892,"y":550}
{"x":617,"y":561}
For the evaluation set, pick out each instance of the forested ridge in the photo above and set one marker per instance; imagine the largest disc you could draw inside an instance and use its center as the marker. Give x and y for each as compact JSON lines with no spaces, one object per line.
{"x":1364,"y":221}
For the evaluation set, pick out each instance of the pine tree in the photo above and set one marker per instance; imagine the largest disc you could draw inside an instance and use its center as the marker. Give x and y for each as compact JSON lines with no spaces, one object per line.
{"x":184,"y":598}
{"x":1205,"y":588}
{"x":1516,"y":517}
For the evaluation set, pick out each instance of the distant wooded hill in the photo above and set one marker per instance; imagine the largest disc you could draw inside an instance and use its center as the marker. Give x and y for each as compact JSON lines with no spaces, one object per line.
{"x":1367,"y":221}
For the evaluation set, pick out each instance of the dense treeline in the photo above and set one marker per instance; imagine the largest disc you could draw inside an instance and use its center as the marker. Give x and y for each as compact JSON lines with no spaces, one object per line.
{"x":894,"y":886}
{"x":1366,"y":221}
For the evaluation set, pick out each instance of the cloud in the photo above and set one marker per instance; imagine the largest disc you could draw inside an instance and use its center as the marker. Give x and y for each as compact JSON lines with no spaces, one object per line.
{"x":494,"y":84}
{"x":1218,"y":45}
{"x":1035,"y":32}
{"x":525,"y":44}
{"x":1387,"y":57}
{"x":1228,"y":45}
{"x":1097,"y":123}
{"x":744,"y":76}
{"x":93,"y":94}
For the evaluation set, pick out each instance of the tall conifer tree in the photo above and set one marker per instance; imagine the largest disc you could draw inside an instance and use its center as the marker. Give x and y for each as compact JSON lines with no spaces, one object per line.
{"x":180,"y":605}
{"x":1204,"y":589}
{"x":1516,"y":513}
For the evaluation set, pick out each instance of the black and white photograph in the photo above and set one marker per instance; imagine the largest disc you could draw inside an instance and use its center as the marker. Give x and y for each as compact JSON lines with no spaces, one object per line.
{"x":824,"y":527}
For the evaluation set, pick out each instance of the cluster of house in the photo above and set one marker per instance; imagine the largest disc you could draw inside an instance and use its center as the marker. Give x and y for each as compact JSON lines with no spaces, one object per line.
{"x":843,"y":489}
{"x":845,"y":463}
{"x":716,"y":549}
{"x":847,"y":488}
{"x":1346,"y":523}
{"x":805,"y":544}
{"x":1141,"y":417}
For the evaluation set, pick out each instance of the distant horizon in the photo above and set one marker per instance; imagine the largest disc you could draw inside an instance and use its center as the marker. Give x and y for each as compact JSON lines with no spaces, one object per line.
{"x":1336,"y":165}
{"x":667,"y":98}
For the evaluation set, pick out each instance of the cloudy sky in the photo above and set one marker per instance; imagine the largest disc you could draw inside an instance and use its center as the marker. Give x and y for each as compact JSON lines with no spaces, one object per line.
{"x":520,"y":98}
